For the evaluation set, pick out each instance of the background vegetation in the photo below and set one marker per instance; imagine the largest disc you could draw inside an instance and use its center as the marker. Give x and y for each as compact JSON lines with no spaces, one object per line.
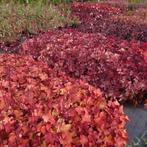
{"x":17,"y":18}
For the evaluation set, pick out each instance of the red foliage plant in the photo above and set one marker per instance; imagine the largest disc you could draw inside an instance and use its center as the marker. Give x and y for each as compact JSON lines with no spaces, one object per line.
{"x":117,"y":24}
{"x":93,"y":10}
{"x":40,"y":107}
{"x":121,"y":4}
{"x":142,"y":12}
{"x":115,"y":66}
{"x":125,"y":5}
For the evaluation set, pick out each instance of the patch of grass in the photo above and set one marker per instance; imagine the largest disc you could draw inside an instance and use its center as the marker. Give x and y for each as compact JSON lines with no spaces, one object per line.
{"x":36,"y":1}
{"x":16,"y":18}
{"x":135,"y":1}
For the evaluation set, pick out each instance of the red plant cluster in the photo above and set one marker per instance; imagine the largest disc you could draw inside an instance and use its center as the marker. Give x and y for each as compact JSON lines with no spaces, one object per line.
{"x":93,"y":10}
{"x":115,"y":66}
{"x":125,"y":27}
{"x":125,"y":5}
{"x":40,"y":107}
{"x":142,"y":12}
{"x":121,"y":4}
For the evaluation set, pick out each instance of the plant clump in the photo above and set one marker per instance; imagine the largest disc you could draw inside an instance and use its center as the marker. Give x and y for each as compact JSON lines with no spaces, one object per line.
{"x":112,"y":22}
{"x":117,"y":67}
{"x":40,"y":107}
{"x":85,"y":10}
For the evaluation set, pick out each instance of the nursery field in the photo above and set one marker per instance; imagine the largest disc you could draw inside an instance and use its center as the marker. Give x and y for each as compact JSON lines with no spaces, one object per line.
{"x":73,"y":74}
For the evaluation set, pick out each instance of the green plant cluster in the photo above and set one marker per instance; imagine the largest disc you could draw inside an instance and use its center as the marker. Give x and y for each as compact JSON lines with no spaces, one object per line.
{"x":36,"y":1}
{"x":135,"y":1}
{"x":16,"y":18}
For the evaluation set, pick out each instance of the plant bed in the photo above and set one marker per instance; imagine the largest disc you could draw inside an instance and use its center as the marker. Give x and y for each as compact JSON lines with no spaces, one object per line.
{"x":120,"y":25}
{"x":125,"y":5}
{"x":125,"y":27}
{"x":40,"y":107}
{"x":90,"y":9}
{"x":117,"y":67}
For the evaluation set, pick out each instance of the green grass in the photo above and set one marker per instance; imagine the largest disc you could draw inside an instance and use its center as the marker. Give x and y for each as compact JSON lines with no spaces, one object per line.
{"x":16,"y":18}
{"x":36,"y":1}
{"x":135,"y":1}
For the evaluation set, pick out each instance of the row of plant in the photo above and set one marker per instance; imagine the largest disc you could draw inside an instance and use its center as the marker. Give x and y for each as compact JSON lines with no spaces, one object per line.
{"x":117,"y":67}
{"x":41,"y":107}
{"x":96,"y":9}
{"x":93,"y":19}
{"x":126,"y":5}
{"x":20,"y":20}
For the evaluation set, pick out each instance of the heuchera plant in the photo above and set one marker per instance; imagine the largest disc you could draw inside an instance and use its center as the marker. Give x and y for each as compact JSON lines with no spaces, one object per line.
{"x":103,"y":19}
{"x":88,"y":11}
{"x":40,"y":107}
{"x":93,"y":9}
{"x":117,"y":67}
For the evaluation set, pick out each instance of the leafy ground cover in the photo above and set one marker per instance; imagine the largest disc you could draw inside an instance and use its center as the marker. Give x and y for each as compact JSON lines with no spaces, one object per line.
{"x":97,"y":9}
{"x":40,"y":107}
{"x":126,"y":5}
{"x":117,"y":67}
{"x":123,"y":25}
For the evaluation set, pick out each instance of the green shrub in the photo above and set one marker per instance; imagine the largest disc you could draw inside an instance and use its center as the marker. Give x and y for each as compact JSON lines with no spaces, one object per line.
{"x":36,"y":1}
{"x":16,"y":18}
{"x":135,"y":1}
